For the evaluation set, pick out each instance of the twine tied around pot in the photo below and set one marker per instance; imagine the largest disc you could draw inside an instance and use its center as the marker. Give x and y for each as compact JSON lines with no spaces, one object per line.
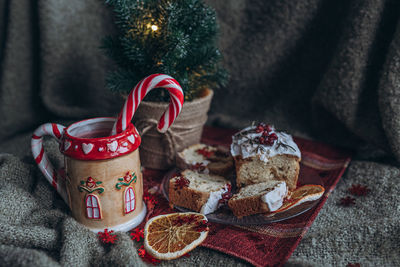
{"x":172,"y":138}
{"x":157,"y":150}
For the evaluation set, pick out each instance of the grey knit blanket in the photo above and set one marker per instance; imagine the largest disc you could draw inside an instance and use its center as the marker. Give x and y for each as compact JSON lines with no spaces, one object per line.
{"x":37,"y":230}
{"x":326,"y":70}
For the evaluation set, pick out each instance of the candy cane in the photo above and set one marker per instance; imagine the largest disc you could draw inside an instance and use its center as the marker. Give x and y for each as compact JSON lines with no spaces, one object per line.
{"x":52,"y":175}
{"x":140,"y":91}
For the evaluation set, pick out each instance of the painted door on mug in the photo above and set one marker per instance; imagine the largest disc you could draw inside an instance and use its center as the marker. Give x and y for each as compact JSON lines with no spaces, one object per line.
{"x":129,"y":198}
{"x":92,"y":207}
{"x":130,"y":201}
{"x":92,"y":202}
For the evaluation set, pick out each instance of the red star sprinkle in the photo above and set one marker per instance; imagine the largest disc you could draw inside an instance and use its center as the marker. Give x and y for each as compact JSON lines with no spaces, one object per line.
{"x":142,"y":251}
{"x":206,"y":152}
{"x":107,"y":237}
{"x":181,"y":182}
{"x":347,"y":201}
{"x":151,"y":202}
{"x":359,"y":190}
{"x":227,"y":195}
{"x":147,"y":257}
{"x":148,"y":198}
{"x":137,"y":234}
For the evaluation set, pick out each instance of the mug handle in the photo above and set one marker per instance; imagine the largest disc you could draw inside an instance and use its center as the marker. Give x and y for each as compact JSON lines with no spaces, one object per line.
{"x":51,"y":174}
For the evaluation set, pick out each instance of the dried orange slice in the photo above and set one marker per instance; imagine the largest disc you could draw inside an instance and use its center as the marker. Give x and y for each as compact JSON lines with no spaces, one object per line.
{"x":167,"y":237}
{"x":302,"y":194}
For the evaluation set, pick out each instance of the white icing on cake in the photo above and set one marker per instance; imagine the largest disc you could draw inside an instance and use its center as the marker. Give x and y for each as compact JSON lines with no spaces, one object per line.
{"x":212,"y":203}
{"x":274,"y":198}
{"x":191,"y":157}
{"x":244,"y":143}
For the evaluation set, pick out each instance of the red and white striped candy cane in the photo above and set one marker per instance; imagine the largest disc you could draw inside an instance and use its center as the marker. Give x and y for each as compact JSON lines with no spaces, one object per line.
{"x":52,"y":175}
{"x":140,"y":91}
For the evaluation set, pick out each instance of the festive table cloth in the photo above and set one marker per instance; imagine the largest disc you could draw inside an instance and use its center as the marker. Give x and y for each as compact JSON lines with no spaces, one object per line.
{"x":269,"y":244}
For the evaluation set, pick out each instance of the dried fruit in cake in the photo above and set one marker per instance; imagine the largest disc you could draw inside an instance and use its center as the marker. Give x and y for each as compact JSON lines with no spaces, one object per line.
{"x":199,"y":192}
{"x":258,"y":198}
{"x":263,"y":154}
{"x":167,"y":237}
{"x":302,"y":194}
{"x":205,"y":158}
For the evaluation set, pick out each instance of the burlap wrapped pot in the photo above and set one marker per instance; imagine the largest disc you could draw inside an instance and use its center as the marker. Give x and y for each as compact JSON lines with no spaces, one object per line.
{"x":157,"y":151}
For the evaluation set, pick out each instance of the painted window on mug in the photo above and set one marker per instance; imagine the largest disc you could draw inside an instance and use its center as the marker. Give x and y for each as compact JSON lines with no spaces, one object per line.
{"x":130,"y":203}
{"x":92,"y":207}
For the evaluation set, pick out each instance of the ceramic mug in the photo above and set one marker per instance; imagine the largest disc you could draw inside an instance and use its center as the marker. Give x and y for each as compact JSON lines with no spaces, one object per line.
{"x":102,"y":183}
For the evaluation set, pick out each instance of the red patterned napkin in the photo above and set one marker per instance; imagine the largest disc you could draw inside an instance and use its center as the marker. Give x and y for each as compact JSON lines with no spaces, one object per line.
{"x":269,"y":244}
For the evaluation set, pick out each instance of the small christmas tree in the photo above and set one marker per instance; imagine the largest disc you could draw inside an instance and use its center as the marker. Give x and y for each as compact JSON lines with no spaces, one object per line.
{"x":174,"y":37}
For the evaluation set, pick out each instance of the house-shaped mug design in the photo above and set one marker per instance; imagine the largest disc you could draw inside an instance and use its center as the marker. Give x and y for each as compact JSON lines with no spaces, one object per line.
{"x":98,"y":150}
{"x":93,"y":190}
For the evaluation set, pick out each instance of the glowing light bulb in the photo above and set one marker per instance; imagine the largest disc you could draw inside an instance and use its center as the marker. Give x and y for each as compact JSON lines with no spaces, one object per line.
{"x":154,"y":28}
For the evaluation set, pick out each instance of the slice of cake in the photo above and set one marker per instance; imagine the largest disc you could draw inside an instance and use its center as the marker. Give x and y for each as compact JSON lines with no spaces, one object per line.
{"x":206,"y":159}
{"x":199,"y":192}
{"x":258,"y":198}
{"x":263,"y":154}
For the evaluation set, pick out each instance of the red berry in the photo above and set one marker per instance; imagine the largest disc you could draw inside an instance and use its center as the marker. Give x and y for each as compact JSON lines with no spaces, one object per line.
{"x":269,"y":141}
{"x":268,"y":128}
{"x":261,"y":140}
{"x":265,"y":133}
{"x":259,"y":129}
{"x":273,"y":136}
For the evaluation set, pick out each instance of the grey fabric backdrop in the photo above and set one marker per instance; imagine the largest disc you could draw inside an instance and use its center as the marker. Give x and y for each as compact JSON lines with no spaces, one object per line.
{"x":327,"y":70}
